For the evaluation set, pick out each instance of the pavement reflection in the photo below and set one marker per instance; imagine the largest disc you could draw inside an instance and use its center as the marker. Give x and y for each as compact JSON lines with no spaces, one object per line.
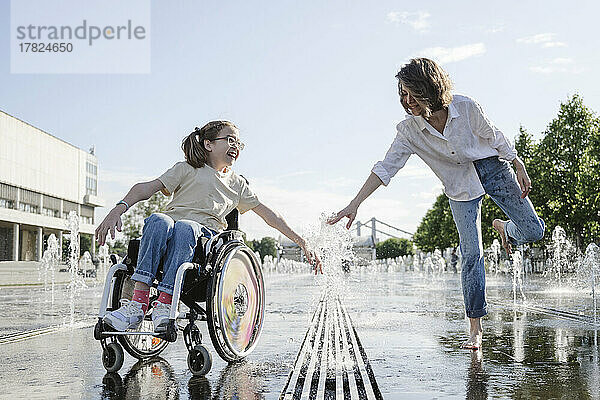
{"x":156,"y":379}
{"x":477,"y":377}
{"x":146,"y":379}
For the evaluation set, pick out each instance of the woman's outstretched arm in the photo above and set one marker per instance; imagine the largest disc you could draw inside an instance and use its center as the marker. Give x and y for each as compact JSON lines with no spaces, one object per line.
{"x":275,"y":220}
{"x":139,"y":191}
{"x":370,"y":185}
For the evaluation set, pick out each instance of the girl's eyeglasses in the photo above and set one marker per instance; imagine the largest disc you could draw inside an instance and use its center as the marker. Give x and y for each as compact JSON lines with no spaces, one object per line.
{"x":233,"y":142}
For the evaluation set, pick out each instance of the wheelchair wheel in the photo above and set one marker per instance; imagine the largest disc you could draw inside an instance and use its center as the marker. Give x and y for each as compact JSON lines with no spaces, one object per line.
{"x":199,"y":361}
{"x":235,"y":302}
{"x":139,"y":346}
{"x":112,"y":357}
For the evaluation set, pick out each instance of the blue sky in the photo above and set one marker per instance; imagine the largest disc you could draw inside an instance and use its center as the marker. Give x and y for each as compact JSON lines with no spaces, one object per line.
{"x":311,"y":85}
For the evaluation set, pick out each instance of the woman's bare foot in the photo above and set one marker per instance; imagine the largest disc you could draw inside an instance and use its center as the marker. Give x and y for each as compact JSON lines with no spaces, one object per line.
{"x":476,"y":335}
{"x":499,"y":227}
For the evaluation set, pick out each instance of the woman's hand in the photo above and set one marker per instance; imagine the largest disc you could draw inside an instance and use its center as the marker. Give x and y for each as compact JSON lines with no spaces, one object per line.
{"x":370,"y":185}
{"x":348,"y":212}
{"x":522,"y":178}
{"x":111,"y":222}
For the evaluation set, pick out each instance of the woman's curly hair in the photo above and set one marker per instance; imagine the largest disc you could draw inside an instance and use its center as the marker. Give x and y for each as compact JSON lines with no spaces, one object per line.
{"x":428,"y":83}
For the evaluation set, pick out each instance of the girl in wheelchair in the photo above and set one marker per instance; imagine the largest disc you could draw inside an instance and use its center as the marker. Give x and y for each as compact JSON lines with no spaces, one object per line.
{"x":205,"y":190}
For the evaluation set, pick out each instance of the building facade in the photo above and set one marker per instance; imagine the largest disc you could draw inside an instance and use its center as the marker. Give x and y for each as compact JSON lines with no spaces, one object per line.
{"x":42,"y":179}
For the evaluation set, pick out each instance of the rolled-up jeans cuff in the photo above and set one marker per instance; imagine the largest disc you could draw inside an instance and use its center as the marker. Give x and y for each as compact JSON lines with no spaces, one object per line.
{"x":477,"y":313}
{"x":143,"y":276}
{"x":168,"y":289}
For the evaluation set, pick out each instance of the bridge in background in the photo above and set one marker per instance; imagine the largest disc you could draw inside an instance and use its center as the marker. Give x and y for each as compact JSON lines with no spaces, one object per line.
{"x":363,"y":244}
{"x":372,"y":226}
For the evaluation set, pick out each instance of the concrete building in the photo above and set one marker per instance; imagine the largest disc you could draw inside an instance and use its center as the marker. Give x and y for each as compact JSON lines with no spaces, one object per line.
{"x":42,"y":179}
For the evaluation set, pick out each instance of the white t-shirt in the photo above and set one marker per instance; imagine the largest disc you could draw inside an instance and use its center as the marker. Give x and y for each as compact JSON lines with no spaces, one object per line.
{"x":205,"y":195}
{"x":468,"y":136}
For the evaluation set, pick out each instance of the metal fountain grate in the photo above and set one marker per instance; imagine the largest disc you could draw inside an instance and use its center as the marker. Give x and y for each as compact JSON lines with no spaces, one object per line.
{"x":331,"y":363}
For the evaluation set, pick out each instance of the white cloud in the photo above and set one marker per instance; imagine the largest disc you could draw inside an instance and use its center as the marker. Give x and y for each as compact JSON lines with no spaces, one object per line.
{"x":562,"y":61}
{"x":416,"y":171}
{"x":542,"y":70}
{"x":429,"y":196}
{"x":295,"y":174}
{"x":447,"y":55}
{"x":339,"y":183}
{"x":535,"y":39}
{"x":495,"y":29}
{"x":554,"y":44}
{"x":557,"y":65}
{"x":417,"y":20}
{"x":543,"y":39}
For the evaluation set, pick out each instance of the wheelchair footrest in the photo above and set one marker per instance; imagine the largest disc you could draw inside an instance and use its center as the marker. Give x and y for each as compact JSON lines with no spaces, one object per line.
{"x":116,"y":333}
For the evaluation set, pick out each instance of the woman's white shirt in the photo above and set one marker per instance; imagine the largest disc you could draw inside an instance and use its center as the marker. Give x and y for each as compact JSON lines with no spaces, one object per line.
{"x":468,"y":136}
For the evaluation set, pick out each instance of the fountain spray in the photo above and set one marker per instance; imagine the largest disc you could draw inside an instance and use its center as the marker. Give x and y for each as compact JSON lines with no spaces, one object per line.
{"x":589,"y":273}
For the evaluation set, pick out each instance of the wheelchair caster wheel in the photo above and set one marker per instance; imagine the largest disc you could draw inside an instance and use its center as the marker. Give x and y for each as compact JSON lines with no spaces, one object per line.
{"x":112,"y":357}
{"x":199,"y":361}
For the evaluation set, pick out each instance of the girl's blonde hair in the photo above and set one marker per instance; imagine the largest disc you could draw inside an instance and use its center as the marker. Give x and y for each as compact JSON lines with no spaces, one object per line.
{"x":193,"y":145}
{"x":428,"y":83}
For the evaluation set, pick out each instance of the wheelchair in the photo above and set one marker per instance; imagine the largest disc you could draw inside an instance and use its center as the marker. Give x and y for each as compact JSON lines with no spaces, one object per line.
{"x":225,"y":276}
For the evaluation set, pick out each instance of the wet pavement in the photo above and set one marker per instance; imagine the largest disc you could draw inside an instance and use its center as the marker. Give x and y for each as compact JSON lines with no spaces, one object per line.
{"x":410,"y":327}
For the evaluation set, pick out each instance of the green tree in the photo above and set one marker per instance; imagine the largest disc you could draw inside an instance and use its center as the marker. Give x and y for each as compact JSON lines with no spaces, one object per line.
{"x":85,"y":244}
{"x":393,"y":247}
{"x":133,"y":220}
{"x":567,"y":172}
{"x":264,"y":246}
{"x":590,"y":191}
{"x":437,"y":229}
{"x":119,"y":247}
{"x":527,"y":151}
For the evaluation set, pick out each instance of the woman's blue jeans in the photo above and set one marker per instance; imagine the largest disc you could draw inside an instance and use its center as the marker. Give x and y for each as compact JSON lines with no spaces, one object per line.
{"x":176,"y":241}
{"x":500,"y":183}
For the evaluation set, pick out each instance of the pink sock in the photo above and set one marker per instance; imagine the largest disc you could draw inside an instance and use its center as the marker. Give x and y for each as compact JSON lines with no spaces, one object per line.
{"x":165,"y":298}
{"x":142,"y":296}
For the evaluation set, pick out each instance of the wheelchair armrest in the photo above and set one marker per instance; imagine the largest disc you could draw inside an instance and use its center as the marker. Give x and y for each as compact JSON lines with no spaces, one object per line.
{"x":133,"y":249}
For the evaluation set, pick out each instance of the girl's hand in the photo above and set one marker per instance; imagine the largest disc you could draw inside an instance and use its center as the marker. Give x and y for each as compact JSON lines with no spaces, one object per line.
{"x":111,"y":222}
{"x":348,"y":212}
{"x":312,"y":257}
{"x":522,"y":178}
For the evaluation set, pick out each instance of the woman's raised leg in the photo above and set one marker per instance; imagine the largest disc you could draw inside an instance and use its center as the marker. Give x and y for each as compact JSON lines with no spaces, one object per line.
{"x":499,"y":182}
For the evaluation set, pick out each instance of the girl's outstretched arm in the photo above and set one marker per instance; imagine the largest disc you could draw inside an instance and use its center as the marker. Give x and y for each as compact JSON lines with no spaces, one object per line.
{"x":372,"y":183}
{"x":139,"y":191}
{"x":273,"y":219}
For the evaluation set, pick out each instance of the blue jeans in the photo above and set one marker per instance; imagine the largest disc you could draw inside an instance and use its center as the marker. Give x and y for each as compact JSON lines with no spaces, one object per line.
{"x":524,"y":226}
{"x":162,"y":236}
